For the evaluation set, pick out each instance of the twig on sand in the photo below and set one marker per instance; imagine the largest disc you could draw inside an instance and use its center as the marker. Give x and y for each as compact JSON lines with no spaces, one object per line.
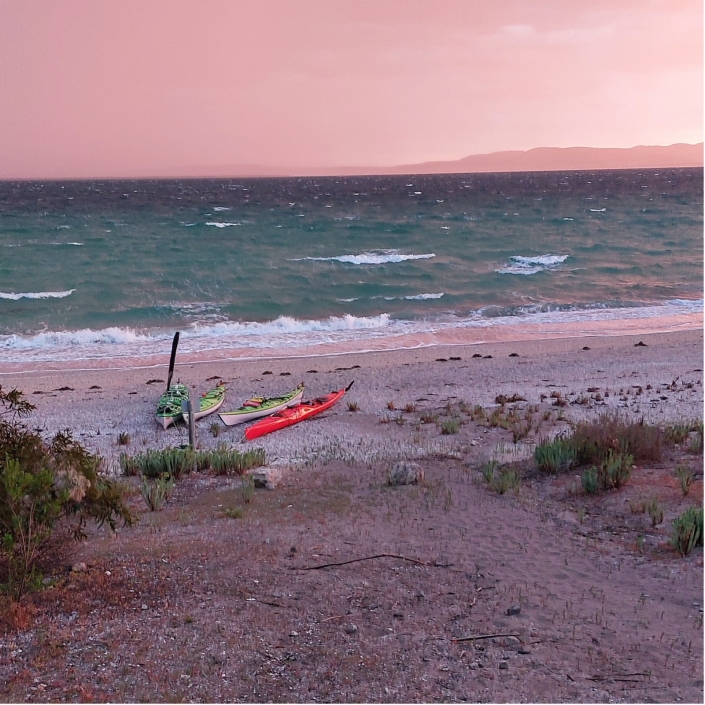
{"x":369,"y":558}
{"x":620,"y":677}
{"x":485,"y":636}
{"x":335,"y":616}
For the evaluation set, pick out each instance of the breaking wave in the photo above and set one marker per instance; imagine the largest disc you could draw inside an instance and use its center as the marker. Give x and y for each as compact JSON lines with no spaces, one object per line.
{"x":531,"y":265}
{"x":11,"y":296}
{"x":379,"y":257}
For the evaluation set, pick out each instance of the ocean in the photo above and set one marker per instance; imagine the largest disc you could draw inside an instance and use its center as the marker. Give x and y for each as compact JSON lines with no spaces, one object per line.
{"x":102,"y":273}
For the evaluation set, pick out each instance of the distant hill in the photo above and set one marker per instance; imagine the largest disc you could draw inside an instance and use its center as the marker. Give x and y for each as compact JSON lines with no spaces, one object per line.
{"x":538,"y":159}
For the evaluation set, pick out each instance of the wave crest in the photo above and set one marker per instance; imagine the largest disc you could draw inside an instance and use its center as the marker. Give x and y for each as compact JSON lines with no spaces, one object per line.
{"x":378,"y":257}
{"x":11,"y":296}
{"x":532,"y":265}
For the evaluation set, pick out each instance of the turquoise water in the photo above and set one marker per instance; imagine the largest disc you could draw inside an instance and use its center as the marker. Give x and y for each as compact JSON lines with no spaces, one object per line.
{"x":106,"y":269}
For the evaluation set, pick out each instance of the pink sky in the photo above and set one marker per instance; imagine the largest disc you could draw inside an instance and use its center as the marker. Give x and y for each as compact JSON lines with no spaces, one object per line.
{"x":105,"y":88}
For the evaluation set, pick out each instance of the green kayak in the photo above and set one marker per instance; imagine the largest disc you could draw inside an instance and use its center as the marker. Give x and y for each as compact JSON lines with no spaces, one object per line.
{"x":169,"y":404}
{"x":208,"y":403}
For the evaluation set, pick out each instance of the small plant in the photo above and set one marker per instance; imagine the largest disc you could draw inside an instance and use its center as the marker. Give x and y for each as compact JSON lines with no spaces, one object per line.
{"x":687,"y":531}
{"x":520,"y":431}
{"x":581,"y":515}
{"x":399,"y":420}
{"x":391,"y":406}
{"x":247,"y":488}
{"x":128,"y":465}
{"x":589,"y":480}
{"x":696,"y":441}
{"x":450,"y":427}
{"x":123,"y":439}
{"x":616,"y":470}
{"x":637,"y":507}
{"x":156,"y":492}
{"x":488,"y":470}
{"x":640,"y":543}
{"x":655,"y":511}
{"x":409,"y":408}
{"x":234,"y":512}
{"x":555,"y":456}
{"x":505,"y":481}
{"x":478,"y":413}
{"x":676,"y":433}
{"x":353,"y":406}
{"x":215,"y":429}
{"x":428,"y":417}
{"x":685,"y":477}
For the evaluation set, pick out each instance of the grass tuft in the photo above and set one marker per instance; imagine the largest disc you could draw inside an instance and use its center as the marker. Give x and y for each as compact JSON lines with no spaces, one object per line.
{"x":687,"y":531}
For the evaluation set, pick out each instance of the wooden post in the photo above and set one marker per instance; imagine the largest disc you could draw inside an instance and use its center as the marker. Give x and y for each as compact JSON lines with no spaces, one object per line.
{"x":191,"y":421}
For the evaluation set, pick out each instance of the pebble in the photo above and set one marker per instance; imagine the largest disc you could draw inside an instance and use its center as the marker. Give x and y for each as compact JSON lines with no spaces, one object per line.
{"x":350,"y":629}
{"x":524,"y":650}
{"x":503,"y":665}
{"x":79,"y":568}
{"x":144,"y":607}
{"x":514,"y":609}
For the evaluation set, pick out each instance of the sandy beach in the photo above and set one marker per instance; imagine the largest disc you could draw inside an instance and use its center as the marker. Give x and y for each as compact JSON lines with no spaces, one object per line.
{"x":336,"y":587}
{"x":100,"y":404}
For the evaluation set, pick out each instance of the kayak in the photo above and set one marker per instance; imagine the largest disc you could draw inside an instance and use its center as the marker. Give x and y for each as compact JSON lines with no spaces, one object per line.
{"x":169,"y":404}
{"x":208,"y":403}
{"x":257,"y":407}
{"x":295,"y":414}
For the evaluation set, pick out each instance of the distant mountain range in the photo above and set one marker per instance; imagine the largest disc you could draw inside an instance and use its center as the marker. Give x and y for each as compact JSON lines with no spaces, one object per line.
{"x":538,"y":159}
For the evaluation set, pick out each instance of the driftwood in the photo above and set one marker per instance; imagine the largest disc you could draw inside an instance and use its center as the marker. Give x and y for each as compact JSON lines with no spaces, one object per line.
{"x":369,"y":558}
{"x":484,"y":636}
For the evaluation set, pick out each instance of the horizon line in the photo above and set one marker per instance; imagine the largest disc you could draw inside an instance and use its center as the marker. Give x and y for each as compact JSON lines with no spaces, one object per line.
{"x":416,"y":168}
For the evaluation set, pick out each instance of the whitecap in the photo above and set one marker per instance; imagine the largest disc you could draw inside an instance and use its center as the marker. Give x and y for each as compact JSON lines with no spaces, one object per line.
{"x":220,"y":208}
{"x":11,"y":296}
{"x":531,"y":265}
{"x":379,"y":257}
{"x":598,"y":210}
{"x":424,"y":297}
{"x":223,"y":225}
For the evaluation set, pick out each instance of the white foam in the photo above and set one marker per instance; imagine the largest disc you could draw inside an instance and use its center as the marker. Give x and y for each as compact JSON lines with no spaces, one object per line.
{"x":424,"y":297}
{"x":285,"y":333}
{"x":532,"y":265}
{"x":223,"y":225}
{"x":74,"y":244}
{"x":379,"y":257}
{"x":598,"y":210}
{"x":220,"y":208}
{"x":36,"y":295}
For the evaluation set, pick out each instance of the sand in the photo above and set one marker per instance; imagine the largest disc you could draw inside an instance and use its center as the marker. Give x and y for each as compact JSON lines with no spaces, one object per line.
{"x":100,"y":404}
{"x":192,"y":604}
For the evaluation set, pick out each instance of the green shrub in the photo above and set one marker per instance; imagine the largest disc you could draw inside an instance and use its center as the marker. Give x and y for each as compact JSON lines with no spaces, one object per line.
{"x":615,"y":470}
{"x":488,"y":470}
{"x":156,"y":492}
{"x":655,"y":511}
{"x":555,"y":456}
{"x":247,"y":488}
{"x":685,"y":478}
{"x":687,"y":531}
{"x":506,"y":480}
{"x":450,"y":427}
{"x":590,"y":481}
{"x":44,"y":485}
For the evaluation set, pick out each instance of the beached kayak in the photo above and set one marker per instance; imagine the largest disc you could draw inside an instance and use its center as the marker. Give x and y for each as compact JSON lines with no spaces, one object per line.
{"x":295,"y":414}
{"x":208,"y":403}
{"x":169,"y":404}
{"x":257,"y":407}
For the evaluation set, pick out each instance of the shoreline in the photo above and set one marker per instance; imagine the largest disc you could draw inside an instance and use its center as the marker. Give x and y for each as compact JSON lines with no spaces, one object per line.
{"x":98,"y":405}
{"x":461,"y":336}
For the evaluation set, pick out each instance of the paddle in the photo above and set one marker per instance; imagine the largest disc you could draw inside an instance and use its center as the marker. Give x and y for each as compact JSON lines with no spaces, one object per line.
{"x":174,"y":345}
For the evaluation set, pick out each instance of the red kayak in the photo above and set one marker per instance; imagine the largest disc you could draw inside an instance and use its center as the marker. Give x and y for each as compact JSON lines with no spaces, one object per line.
{"x":294,"y":414}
